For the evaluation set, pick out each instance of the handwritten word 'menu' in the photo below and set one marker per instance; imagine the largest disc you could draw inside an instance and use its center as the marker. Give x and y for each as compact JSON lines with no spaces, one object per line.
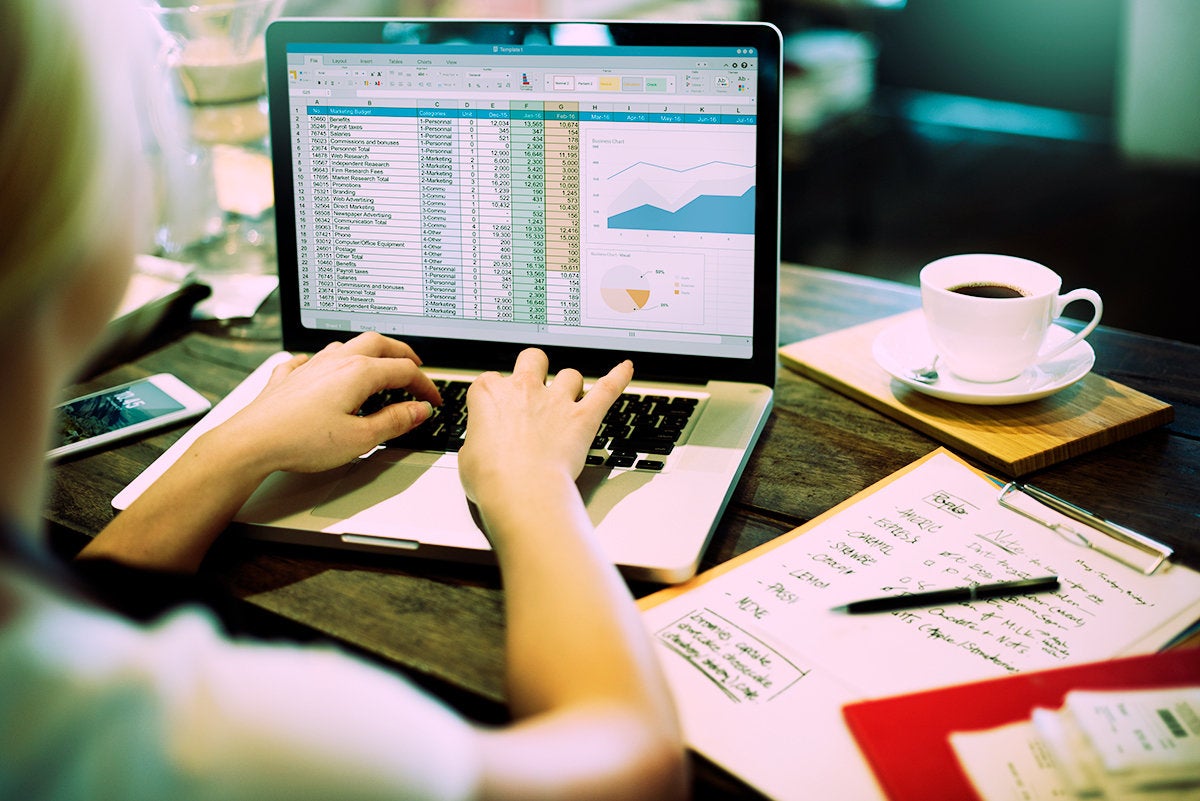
{"x":946,"y":502}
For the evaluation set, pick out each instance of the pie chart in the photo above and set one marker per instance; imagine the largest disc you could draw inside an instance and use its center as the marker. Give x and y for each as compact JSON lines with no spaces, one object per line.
{"x":625,"y":289}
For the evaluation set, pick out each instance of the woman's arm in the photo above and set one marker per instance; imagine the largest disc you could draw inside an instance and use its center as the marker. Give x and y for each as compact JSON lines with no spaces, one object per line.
{"x":304,"y":420}
{"x":594,"y":715}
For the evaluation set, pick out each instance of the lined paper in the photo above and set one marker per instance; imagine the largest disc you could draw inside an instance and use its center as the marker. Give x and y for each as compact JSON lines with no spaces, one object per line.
{"x":760,"y":665}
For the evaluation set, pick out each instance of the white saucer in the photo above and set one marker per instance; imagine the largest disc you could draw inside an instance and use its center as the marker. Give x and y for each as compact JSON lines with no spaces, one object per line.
{"x":906,"y":345}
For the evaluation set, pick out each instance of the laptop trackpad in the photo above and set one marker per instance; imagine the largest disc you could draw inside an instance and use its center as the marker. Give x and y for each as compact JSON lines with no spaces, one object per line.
{"x":371,"y":481}
{"x":404,"y":494}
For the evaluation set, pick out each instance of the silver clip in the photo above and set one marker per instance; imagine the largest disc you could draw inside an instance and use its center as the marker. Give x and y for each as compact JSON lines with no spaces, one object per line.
{"x":1155,"y":550}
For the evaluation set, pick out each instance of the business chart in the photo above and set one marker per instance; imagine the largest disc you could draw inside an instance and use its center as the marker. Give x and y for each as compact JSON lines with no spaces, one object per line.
{"x":692,"y":182}
{"x":660,"y":287}
{"x":495,"y":214}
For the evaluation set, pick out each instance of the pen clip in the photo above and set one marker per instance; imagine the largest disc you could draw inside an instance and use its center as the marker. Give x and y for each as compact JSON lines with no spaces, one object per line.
{"x":1157,"y":552}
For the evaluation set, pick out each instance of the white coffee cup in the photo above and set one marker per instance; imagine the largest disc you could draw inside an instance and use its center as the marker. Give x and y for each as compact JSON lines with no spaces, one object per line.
{"x":995,"y":338}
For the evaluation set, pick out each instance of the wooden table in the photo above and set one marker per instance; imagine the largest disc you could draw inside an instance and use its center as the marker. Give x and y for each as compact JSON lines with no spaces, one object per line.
{"x":443,"y":624}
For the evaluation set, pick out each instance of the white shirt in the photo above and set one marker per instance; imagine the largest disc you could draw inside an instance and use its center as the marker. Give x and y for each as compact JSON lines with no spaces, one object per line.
{"x":95,"y":707}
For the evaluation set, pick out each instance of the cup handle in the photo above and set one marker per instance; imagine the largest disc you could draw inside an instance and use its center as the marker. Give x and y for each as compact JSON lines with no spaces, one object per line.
{"x":1092,"y":297}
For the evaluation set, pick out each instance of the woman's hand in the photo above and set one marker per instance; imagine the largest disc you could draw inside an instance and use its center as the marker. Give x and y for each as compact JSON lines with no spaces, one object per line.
{"x":306,"y":420}
{"x":520,"y":429}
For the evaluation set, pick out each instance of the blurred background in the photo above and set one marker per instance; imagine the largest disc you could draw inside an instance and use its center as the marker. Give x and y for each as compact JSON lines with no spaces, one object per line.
{"x":1066,"y":131}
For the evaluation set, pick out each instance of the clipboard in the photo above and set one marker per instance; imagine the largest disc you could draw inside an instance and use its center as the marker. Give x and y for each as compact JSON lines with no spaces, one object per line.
{"x":779,"y":723}
{"x":1124,"y":545}
{"x":1129,"y":547}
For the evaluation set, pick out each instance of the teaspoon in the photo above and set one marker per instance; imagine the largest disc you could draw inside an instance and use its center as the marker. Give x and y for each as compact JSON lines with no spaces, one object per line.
{"x":926,"y":375}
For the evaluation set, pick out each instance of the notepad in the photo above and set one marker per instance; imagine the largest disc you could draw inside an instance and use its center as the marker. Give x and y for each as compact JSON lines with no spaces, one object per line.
{"x":979,"y":733}
{"x":760,"y":666}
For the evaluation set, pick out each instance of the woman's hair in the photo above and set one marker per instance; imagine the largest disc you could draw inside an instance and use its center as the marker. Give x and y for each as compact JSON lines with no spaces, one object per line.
{"x":69,"y":137}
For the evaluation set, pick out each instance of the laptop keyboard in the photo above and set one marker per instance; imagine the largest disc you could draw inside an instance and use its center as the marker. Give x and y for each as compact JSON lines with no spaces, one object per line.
{"x":639,"y":431}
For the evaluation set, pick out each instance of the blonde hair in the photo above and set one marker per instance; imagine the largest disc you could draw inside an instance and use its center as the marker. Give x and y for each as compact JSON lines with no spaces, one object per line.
{"x":69,"y":138}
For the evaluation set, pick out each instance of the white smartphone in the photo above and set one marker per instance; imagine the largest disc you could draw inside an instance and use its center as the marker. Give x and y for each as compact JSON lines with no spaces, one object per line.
{"x":122,"y":412}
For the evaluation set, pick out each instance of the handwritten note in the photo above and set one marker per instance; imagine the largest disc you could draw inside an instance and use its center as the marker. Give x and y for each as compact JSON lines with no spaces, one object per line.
{"x":743,"y":666}
{"x":761,"y":666}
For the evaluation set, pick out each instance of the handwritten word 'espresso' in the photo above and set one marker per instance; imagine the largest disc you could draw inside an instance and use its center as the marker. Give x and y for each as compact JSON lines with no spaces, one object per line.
{"x":897,"y":530}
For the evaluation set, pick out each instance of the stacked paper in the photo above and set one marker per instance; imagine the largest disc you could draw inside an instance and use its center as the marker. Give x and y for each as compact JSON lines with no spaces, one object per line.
{"x":1139,"y":744}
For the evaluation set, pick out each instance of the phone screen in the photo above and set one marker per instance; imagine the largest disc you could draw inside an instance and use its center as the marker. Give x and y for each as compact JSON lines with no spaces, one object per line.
{"x":113,"y":410}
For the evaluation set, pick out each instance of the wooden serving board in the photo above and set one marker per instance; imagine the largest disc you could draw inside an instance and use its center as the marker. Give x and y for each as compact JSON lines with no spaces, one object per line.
{"x":1016,"y":439}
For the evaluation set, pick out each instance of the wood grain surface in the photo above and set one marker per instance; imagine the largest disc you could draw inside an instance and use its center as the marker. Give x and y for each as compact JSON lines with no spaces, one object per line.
{"x":442,"y":624}
{"x":1015,"y":438}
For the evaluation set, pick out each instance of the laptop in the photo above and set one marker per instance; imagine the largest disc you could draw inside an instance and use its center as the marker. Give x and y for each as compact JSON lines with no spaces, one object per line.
{"x":601,"y":190}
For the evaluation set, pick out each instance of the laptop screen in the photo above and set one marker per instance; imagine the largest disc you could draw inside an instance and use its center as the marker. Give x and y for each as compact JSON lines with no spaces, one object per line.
{"x":529,"y":184}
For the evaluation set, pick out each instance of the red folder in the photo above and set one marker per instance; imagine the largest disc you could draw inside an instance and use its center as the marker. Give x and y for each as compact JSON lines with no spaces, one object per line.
{"x":906,"y":737}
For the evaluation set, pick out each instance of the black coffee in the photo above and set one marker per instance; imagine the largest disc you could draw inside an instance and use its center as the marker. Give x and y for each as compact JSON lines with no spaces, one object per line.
{"x":999,"y":291}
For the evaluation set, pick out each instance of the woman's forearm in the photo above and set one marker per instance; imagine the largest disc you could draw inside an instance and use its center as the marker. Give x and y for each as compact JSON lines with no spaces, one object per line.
{"x":176,"y":520}
{"x":583,"y":680}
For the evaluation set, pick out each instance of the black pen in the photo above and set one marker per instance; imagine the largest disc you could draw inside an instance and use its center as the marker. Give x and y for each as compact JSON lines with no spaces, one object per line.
{"x":893,"y":602}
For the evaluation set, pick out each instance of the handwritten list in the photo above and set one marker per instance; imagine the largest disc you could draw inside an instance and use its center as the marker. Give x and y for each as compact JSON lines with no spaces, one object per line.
{"x":761,"y":665}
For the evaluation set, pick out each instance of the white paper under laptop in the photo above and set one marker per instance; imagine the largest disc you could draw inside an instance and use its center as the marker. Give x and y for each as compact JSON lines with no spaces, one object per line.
{"x":600,"y":190}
